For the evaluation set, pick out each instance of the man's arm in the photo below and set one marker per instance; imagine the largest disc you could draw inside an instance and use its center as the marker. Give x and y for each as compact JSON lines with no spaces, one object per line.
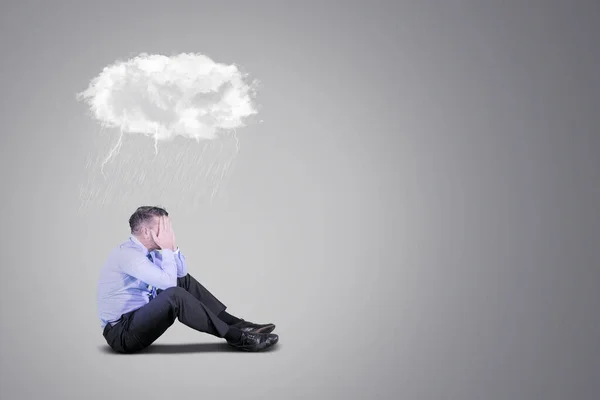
{"x":136,"y":264}
{"x":181,"y":264}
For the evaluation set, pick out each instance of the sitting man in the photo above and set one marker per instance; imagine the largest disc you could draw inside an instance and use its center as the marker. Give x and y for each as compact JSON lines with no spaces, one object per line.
{"x":144,"y":286}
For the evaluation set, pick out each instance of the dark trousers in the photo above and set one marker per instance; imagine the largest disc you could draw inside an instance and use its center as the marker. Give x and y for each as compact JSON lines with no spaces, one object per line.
{"x":189,"y":301}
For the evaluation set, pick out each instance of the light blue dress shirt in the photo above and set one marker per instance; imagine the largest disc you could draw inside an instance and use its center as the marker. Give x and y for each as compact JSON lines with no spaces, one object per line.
{"x":128,"y":278}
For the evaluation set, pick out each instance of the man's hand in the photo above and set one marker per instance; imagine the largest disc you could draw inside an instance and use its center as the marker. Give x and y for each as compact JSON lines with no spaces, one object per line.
{"x":164,"y":237}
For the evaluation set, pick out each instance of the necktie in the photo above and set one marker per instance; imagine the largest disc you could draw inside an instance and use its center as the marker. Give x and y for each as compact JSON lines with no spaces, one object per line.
{"x":152,"y":287}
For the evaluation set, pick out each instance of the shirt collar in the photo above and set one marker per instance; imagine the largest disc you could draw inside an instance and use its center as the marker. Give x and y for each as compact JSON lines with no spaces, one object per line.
{"x":137,"y":242}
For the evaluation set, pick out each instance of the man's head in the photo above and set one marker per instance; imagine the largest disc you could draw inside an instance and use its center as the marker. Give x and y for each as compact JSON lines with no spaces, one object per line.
{"x":143,"y":221}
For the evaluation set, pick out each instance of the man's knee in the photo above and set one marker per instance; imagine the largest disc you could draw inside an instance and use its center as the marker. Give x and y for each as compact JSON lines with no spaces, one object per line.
{"x":183,"y":281}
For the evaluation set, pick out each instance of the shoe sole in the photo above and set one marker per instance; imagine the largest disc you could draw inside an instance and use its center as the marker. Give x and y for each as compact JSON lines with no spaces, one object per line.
{"x":254,"y":350}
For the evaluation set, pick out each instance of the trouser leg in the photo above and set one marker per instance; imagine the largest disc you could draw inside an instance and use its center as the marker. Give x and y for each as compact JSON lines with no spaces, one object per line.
{"x":192,"y":286}
{"x":142,"y":327}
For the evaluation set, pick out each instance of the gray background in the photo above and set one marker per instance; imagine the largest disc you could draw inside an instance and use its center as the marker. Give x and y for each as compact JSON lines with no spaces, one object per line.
{"x":418,"y":212}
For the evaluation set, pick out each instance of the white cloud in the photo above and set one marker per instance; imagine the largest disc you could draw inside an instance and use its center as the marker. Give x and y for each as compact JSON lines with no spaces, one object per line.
{"x":187,"y":94}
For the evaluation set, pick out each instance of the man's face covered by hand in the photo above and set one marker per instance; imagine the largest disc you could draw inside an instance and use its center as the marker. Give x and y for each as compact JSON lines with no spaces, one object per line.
{"x":152,"y":226}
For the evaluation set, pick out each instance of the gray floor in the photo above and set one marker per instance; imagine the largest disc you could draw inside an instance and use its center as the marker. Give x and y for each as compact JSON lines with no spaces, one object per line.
{"x":418,"y":212}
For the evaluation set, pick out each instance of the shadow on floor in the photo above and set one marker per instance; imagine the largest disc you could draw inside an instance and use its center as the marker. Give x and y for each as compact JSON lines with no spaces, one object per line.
{"x":184,"y":348}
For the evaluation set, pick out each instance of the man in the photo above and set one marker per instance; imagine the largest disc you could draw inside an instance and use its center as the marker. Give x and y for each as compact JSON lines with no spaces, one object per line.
{"x":144,"y":286}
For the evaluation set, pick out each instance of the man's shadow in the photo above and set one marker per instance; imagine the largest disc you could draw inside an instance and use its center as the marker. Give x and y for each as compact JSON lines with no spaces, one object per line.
{"x":185,"y":348}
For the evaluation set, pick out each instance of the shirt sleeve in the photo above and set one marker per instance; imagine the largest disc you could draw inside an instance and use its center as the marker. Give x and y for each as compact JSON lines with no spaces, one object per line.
{"x":181,"y":264}
{"x":136,"y":264}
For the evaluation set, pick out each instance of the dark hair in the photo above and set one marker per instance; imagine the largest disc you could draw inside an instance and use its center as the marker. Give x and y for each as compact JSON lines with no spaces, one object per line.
{"x":144,"y":214}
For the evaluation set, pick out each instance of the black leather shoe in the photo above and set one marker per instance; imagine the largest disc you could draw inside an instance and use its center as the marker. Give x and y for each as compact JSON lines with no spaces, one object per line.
{"x":247,"y":326}
{"x":251,"y":341}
